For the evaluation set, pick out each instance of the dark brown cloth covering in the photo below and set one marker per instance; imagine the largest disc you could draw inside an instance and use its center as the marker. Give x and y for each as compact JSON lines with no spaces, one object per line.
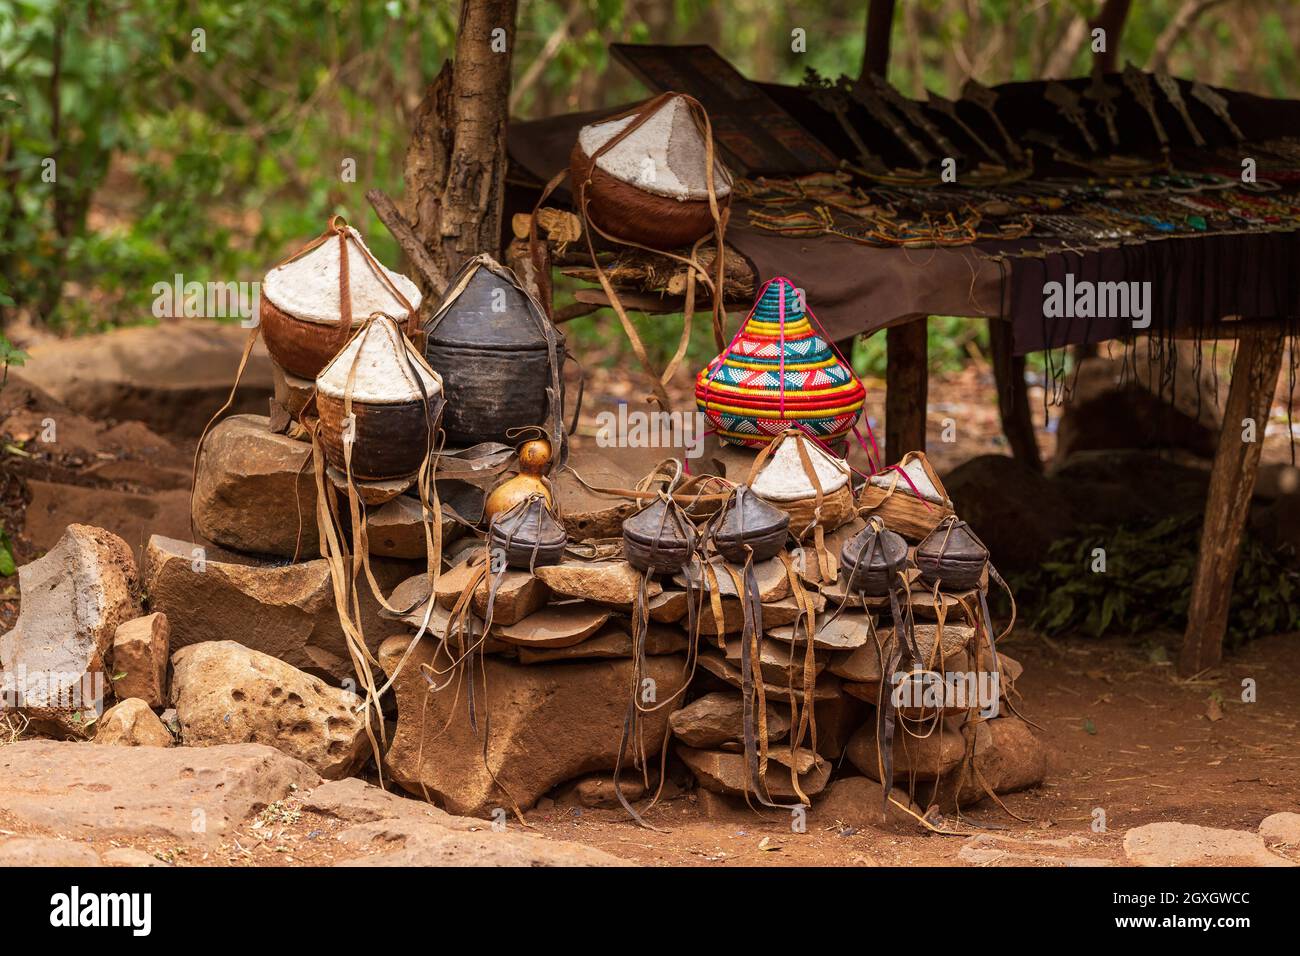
{"x":855,"y":288}
{"x":1195,"y":284}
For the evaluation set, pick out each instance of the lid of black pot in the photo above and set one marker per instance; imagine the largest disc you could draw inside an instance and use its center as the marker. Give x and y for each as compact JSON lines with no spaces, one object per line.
{"x":890,"y":550}
{"x":661,"y":526}
{"x":749,"y":517}
{"x":952,"y":541}
{"x":530,"y":522}
{"x":468,"y":320}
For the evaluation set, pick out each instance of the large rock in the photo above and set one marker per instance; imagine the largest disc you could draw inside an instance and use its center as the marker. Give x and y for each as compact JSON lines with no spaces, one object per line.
{"x":717,"y":718}
{"x":172,"y":376}
{"x":548,"y":723}
{"x":396,"y":529}
{"x":518,"y":593}
{"x":1281,"y":829}
{"x":131,"y":723}
{"x":179,"y":793}
{"x":1118,"y":403}
{"x":45,"y":851}
{"x":613,"y":640}
{"x":585,"y":513}
{"x":1017,"y":512}
{"x":411,"y":832}
{"x":255,"y":491}
{"x":605,"y":582}
{"x":1013,"y":760}
{"x":915,"y":758}
{"x":225,"y":693}
{"x":73,"y":600}
{"x":1186,"y":844}
{"x":724,"y":772}
{"x":858,"y":802}
{"x":141,"y":650}
{"x":286,"y":611}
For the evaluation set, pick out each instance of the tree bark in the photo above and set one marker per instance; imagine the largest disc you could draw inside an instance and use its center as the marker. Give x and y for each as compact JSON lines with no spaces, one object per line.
{"x":880,"y":22}
{"x":456,"y":161}
{"x":1111,"y":19}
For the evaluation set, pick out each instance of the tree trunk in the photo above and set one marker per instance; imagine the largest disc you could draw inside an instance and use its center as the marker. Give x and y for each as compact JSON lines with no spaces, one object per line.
{"x":1111,"y":19}
{"x":880,"y":23}
{"x":456,"y":161}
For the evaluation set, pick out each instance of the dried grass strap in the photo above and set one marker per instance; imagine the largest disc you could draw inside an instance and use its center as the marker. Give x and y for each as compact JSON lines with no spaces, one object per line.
{"x":641,"y":113}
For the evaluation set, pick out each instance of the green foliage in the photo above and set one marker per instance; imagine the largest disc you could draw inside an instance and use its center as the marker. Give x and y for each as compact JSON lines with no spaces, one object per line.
{"x":949,"y":338}
{"x":1147,"y":582}
{"x":7,"y":567}
{"x":215,"y":162}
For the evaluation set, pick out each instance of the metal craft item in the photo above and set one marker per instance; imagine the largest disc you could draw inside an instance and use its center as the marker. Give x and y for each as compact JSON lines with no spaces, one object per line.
{"x":1066,"y":102}
{"x":1218,"y":105}
{"x":1175,"y":96}
{"x":983,"y":97}
{"x":912,"y":110}
{"x":1104,"y":96}
{"x":949,"y":109}
{"x":880,"y":111}
{"x":1140,"y":87}
{"x":835,"y":99}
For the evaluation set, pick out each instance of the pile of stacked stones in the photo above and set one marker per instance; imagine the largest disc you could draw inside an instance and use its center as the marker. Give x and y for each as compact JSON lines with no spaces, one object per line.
{"x":247,"y":614}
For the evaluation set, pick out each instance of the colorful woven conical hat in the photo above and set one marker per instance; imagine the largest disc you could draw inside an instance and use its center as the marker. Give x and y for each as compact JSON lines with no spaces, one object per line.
{"x":779,"y":372}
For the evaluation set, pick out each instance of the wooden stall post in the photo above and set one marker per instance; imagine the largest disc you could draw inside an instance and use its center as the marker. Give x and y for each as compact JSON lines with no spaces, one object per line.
{"x":907,"y":388}
{"x":1013,"y":396}
{"x":1232,"y":483}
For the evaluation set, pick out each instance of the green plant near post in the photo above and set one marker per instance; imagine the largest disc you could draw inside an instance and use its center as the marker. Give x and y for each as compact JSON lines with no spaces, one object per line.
{"x":1147,"y":583}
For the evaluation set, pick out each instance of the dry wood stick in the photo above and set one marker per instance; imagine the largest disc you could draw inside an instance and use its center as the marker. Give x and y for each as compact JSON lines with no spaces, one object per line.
{"x":415,"y":250}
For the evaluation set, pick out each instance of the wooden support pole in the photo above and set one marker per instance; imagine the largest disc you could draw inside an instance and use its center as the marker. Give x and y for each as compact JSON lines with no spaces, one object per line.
{"x":1013,"y":396}
{"x":1232,"y":483}
{"x":907,"y":385}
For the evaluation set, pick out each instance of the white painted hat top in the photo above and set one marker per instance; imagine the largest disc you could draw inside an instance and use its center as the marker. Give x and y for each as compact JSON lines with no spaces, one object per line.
{"x":665,"y":155}
{"x":783,"y":477}
{"x":386,"y":364}
{"x":308,"y":287}
{"x":920,"y":479}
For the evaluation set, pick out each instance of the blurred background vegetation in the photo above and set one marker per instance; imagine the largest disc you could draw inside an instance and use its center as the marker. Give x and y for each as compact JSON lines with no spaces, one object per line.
{"x":215,"y":162}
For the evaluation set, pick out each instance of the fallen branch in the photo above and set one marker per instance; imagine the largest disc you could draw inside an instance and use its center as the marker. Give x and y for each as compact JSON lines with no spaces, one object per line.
{"x":415,"y":250}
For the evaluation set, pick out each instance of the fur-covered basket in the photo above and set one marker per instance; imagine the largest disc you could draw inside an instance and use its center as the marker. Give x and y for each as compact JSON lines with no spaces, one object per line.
{"x":312,"y":302}
{"x":643,"y":174}
{"x":891,"y":495}
{"x":780,"y":478}
{"x":395,"y":400}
